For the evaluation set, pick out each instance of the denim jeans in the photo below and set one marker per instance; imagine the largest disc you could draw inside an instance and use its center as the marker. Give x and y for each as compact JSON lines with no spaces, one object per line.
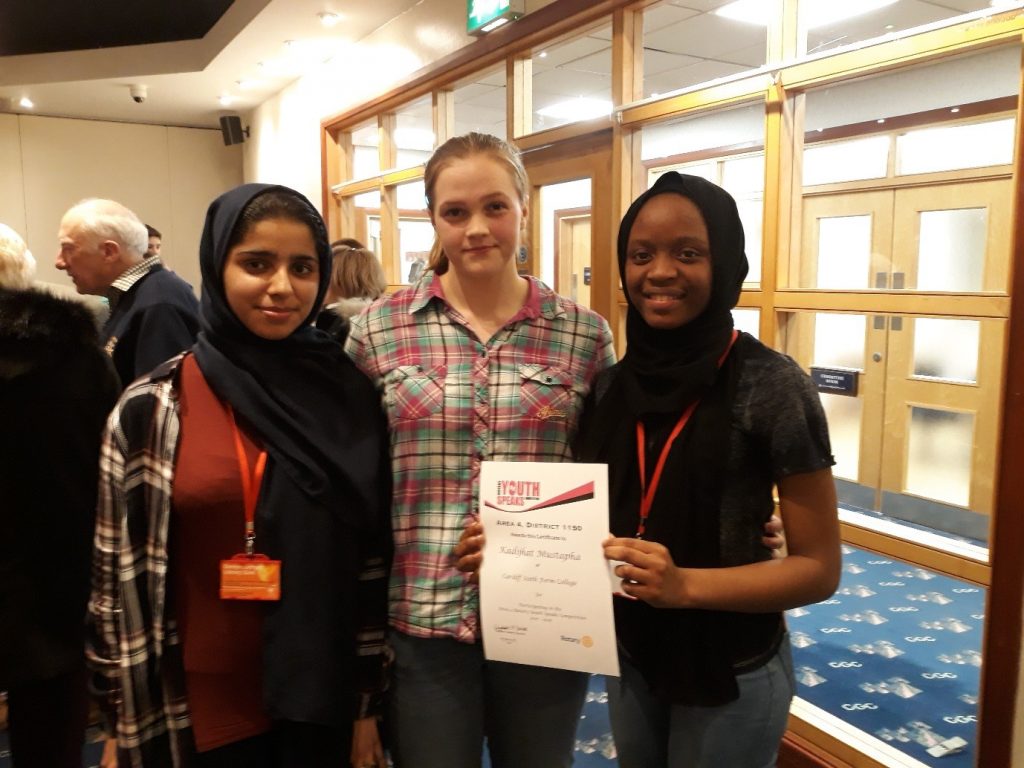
{"x":741,"y":734}
{"x":445,"y":698}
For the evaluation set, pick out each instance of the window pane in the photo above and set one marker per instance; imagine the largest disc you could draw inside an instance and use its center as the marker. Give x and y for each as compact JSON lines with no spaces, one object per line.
{"x":415,"y":238}
{"x":946,"y":349}
{"x":896,"y":655}
{"x":939,"y":455}
{"x":843,"y":414}
{"x":572,"y":80}
{"x":839,"y":340}
{"x":844,"y":252}
{"x":685,"y":46}
{"x":365,"y":158}
{"x":748,"y":320}
{"x":951,"y":254}
{"x":730,"y":128}
{"x":480,"y":104}
{"x":950,"y":83}
{"x":827,"y":24}
{"x":953,"y":147}
{"x":414,"y":133}
{"x":367,"y":207}
{"x":846,"y":160}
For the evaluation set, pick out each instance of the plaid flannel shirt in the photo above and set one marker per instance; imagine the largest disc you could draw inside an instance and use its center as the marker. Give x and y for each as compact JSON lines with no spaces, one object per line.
{"x":132,"y":642}
{"x":453,"y":401}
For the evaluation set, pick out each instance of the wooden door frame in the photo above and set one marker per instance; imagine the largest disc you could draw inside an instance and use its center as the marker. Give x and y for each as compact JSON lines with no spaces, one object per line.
{"x":589,"y":156}
{"x":561,"y":215}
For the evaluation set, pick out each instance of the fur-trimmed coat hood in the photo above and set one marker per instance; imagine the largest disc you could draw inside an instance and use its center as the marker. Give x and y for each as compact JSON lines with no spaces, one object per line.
{"x":37,"y":327}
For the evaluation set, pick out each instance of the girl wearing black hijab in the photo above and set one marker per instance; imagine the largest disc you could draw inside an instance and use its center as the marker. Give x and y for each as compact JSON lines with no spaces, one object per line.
{"x":239,"y":594}
{"x":699,"y":424}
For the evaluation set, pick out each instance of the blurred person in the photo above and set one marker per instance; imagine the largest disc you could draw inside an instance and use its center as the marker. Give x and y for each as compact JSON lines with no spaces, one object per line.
{"x":357,"y":279}
{"x":476,"y":363}
{"x":56,"y":389}
{"x":155,"y":240}
{"x":153,"y":312}
{"x":263,"y":439}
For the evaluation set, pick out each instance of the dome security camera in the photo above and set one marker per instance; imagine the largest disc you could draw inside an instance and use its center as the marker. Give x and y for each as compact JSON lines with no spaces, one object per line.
{"x":138,"y":93}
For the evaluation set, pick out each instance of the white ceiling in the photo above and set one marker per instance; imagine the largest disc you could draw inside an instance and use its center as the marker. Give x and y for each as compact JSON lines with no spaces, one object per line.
{"x":685,"y":44}
{"x":185,"y":79}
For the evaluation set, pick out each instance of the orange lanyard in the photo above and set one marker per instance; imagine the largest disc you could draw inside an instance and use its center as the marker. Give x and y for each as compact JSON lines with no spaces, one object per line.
{"x":647,"y":493}
{"x":251,"y":483}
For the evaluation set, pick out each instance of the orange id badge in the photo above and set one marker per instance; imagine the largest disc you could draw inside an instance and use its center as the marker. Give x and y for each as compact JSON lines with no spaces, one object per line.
{"x":250,"y":577}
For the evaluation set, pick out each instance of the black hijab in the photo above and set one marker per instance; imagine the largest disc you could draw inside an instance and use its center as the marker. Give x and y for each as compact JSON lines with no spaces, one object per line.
{"x":683,"y":654}
{"x":666,"y":370}
{"x":324,"y":501}
{"x":292,"y":392}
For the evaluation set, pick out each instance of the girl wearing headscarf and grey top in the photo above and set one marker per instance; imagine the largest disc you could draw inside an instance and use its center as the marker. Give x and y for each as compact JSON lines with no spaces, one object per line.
{"x":267,"y":419}
{"x":698,"y":424}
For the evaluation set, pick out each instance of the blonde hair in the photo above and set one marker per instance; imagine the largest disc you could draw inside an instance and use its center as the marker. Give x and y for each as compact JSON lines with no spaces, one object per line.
{"x":356,"y":273}
{"x":461,"y":148}
{"x":17,"y":267}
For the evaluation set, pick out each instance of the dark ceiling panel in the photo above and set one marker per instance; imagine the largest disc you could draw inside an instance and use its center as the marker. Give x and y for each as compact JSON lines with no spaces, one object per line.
{"x":46,"y":26}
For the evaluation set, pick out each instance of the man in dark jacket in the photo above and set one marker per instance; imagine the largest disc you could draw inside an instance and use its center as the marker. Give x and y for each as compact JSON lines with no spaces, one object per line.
{"x":56,"y":390}
{"x":153,"y":312}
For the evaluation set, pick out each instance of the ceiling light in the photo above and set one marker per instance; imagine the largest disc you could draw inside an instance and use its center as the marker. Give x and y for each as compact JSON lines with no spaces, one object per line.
{"x":26,"y":102}
{"x":580,"y":108}
{"x":954,"y":110}
{"x":880,"y":120}
{"x":542,"y":55}
{"x":329,"y":18}
{"x":225,"y":100}
{"x":814,"y":13}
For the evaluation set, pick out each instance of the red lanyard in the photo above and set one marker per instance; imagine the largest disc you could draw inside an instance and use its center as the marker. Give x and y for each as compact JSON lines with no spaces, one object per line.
{"x":647,"y":493}
{"x":251,"y":482}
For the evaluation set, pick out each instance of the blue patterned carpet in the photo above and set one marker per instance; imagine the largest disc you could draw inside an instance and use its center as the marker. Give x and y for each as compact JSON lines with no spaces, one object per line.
{"x":896,"y":652}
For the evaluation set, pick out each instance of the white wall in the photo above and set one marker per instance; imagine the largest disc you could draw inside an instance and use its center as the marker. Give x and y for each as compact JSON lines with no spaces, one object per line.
{"x":168,"y":176}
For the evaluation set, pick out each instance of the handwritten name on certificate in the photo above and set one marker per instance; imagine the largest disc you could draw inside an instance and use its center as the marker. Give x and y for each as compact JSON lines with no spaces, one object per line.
{"x":544,"y":590}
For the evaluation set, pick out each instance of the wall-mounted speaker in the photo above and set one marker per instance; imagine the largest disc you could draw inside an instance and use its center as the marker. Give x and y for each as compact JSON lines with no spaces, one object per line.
{"x":232,"y":131}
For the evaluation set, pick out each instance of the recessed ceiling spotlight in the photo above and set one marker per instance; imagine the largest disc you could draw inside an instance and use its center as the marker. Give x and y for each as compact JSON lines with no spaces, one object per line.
{"x":542,"y":55}
{"x":329,"y":18}
{"x":26,"y":102}
{"x":954,"y":110}
{"x":225,"y":100}
{"x":880,"y":120}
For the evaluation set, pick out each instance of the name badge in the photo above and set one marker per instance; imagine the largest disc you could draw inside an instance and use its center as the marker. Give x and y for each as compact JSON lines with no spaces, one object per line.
{"x":250,"y":577}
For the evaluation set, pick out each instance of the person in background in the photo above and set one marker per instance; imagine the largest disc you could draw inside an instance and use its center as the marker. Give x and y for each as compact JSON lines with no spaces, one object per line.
{"x":475,"y":363}
{"x":357,"y":279}
{"x":699,"y":424}
{"x":56,"y":389}
{"x":265,"y":440}
{"x":347,"y":242}
{"x":155,"y":241}
{"x":153,"y":312}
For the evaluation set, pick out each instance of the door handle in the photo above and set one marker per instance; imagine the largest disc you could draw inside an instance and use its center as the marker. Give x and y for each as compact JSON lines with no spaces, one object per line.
{"x":877,"y":357}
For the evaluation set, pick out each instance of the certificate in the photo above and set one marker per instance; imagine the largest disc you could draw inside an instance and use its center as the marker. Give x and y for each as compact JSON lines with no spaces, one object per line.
{"x":545,"y":593}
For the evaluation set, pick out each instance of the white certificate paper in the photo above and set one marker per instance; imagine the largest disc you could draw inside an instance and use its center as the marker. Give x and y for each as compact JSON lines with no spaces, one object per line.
{"x":544,"y":586}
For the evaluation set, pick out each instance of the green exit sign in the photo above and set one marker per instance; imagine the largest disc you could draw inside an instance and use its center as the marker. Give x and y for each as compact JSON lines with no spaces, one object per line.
{"x":482,"y":16}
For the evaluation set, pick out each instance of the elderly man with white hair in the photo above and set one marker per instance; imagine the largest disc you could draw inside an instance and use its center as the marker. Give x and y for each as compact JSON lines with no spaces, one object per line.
{"x":56,"y":389}
{"x":153,"y":312}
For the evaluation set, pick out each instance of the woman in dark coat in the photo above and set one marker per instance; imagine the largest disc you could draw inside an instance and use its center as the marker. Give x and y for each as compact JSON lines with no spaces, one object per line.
{"x":56,"y":389}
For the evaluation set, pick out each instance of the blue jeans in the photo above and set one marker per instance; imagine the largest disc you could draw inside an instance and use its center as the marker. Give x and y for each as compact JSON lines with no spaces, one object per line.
{"x":445,"y":698}
{"x":741,"y":734}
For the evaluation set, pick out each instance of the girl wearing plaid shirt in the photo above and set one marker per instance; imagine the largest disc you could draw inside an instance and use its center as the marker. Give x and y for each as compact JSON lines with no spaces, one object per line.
{"x":475,"y":363}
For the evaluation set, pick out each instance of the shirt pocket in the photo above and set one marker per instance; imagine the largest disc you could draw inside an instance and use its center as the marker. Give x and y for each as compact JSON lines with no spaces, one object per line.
{"x":412,"y":392}
{"x":546,"y":393}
